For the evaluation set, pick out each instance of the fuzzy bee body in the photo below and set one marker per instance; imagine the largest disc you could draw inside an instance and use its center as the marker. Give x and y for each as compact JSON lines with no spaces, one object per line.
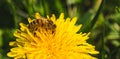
{"x":42,"y":24}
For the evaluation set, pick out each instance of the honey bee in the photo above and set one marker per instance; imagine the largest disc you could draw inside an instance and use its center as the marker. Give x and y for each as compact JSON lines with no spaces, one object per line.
{"x":42,"y":23}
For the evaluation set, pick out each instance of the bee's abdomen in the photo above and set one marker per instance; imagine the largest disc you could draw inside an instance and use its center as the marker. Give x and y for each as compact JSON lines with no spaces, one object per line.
{"x":42,"y":24}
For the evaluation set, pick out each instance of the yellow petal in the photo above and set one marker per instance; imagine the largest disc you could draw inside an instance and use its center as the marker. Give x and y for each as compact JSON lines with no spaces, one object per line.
{"x":29,"y":20}
{"x":37,"y":16}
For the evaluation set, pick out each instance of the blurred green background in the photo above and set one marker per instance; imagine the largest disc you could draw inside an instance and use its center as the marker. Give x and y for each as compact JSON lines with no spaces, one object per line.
{"x":100,"y":17}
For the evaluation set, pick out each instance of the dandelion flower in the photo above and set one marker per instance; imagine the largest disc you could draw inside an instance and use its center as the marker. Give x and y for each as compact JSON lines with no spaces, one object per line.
{"x":51,"y":38}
